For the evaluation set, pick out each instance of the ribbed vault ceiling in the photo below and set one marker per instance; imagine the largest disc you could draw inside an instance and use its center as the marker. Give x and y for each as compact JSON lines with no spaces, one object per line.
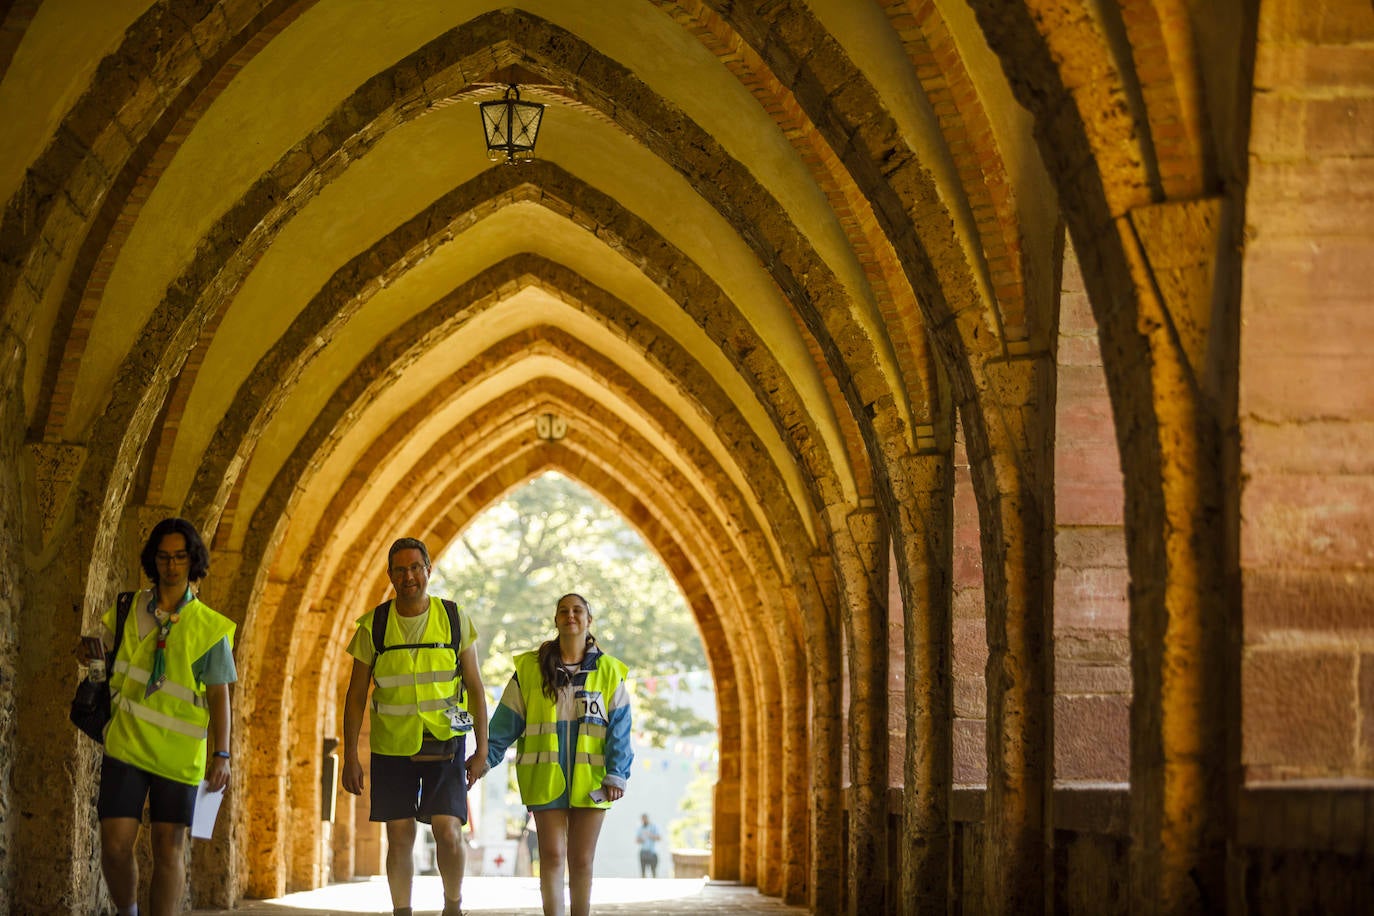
{"x":312,"y":315}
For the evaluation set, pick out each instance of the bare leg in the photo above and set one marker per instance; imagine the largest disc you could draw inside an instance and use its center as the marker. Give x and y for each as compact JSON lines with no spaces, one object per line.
{"x":117,"y":862}
{"x":552,"y":829}
{"x":400,"y":866}
{"x":169,"y":868}
{"x":584,"y":828}
{"x":451,"y":853}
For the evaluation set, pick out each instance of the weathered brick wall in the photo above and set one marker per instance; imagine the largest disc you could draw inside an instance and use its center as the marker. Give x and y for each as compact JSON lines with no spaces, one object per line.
{"x":1298,"y":850}
{"x":970,"y":655}
{"x":1306,"y":400}
{"x":1091,"y":614}
{"x":11,"y":574}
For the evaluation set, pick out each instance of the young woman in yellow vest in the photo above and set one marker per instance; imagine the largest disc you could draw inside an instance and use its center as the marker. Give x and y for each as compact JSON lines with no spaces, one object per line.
{"x":169,"y":724}
{"x":568,"y":712}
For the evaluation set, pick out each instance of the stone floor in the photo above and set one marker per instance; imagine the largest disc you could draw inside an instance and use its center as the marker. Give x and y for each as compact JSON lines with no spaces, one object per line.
{"x":520,"y":897}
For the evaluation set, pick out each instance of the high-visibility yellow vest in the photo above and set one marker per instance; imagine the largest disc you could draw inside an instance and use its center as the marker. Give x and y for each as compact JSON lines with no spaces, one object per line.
{"x":165,"y":733}
{"x":414,"y":693}
{"x":537,"y":769}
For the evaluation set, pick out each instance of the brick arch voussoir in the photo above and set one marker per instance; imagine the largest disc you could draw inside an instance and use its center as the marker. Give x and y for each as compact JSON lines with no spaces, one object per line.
{"x":1165,"y":56}
{"x":463,"y":492}
{"x":290,"y":483}
{"x":972,"y":144}
{"x":272,"y":379}
{"x":227,"y":253}
{"x":1069,"y":143}
{"x":741,"y":647}
{"x":807,"y":282}
{"x":832,"y":93}
{"x":907,"y":204}
{"x":162,"y":53}
{"x":1061,"y":69}
{"x":883,"y":274}
{"x":597,"y":452}
{"x":122,"y":202}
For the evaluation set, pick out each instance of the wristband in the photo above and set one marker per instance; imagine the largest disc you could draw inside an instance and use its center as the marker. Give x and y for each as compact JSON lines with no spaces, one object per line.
{"x":224,"y":754}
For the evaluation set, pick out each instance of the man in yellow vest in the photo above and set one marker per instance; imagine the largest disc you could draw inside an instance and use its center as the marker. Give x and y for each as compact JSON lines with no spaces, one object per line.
{"x":419,"y":722}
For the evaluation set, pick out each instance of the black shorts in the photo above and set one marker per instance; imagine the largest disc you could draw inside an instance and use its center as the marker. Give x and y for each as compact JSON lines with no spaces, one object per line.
{"x":402,"y":788}
{"x":124,"y":788}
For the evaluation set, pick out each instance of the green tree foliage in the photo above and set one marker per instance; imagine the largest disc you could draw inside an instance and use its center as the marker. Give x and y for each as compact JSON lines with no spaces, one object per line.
{"x":551,"y":537}
{"x":693,"y":829}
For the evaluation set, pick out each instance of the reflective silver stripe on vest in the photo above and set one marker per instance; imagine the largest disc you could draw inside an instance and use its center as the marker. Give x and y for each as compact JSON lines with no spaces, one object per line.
{"x":140,"y":677}
{"x":593,"y":731}
{"x":408,"y":709}
{"x":531,"y":758}
{"x":153,"y":717}
{"x":596,"y":760}
{"x":541,"y":728}
{"x":422,"y":677}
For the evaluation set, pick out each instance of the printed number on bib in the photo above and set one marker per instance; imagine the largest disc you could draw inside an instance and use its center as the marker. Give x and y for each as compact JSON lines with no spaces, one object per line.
{"x":590,"y":705}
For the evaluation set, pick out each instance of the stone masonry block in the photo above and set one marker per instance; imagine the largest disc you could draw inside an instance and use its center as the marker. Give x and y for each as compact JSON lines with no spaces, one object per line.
{"x":1366,"y":705}
{"x":1092,"y":738}
{"x":1330,"y":446}
{"x":1092,"y":598}
{"x":1300,"y":710}
{"x":1281,"y":600}
{"x":1089,"y":502}
{"x":970,"y":752}
{"x":1090,"y":547}
{"x":1307,"y":520}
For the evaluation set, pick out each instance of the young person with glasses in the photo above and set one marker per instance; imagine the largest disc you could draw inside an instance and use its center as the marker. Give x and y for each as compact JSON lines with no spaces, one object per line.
{"x":169,"y":724}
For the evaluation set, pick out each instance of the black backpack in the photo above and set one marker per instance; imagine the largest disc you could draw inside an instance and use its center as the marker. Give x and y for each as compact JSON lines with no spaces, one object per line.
{"x":379,"y":617}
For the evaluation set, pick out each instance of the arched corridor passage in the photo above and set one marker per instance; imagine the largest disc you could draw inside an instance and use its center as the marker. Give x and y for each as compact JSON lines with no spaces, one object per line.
{"x":993,"y":378}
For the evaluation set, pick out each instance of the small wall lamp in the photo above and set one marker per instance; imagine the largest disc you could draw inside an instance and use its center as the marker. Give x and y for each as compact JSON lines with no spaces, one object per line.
{"x":550,"y":427}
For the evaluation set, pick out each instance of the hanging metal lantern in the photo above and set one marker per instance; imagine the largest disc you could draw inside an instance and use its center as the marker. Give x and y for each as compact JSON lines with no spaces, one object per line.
{"x":511,"y":127}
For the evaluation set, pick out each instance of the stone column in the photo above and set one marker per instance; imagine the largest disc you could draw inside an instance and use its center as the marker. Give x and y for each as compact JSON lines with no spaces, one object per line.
{"x":1183,"y":664}
{"x":861,"y":555}
{"x":1013,"y":475}
{"x":925,"y":554}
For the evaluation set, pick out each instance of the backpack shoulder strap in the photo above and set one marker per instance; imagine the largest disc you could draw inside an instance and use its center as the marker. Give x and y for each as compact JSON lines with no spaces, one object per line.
{"x":123,"y":604}
{"x":455,"y":636}
{"x":455,"y":633}
{"x":379,"y":616}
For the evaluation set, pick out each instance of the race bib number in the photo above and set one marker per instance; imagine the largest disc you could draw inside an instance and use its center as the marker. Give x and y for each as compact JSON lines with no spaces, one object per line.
{"x":590,"y":705}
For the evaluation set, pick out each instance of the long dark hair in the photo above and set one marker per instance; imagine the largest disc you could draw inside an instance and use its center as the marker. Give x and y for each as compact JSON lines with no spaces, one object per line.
{"x":551,"y":660}
{"x":199,"y":557}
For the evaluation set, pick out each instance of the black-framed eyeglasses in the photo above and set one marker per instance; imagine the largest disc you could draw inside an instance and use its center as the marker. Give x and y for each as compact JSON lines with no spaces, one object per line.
{"x":180,"y":556}
{"x":414,"y":569}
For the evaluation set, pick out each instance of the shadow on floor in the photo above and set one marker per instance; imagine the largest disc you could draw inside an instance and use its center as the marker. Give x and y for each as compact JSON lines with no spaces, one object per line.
{"x":520,"y":897}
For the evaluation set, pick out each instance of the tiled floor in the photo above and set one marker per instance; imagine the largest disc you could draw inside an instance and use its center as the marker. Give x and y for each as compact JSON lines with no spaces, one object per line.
{"x":520,"y":897}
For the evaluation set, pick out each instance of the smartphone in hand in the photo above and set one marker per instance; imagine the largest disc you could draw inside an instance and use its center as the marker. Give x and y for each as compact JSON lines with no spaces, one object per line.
{"x":94,"y":648}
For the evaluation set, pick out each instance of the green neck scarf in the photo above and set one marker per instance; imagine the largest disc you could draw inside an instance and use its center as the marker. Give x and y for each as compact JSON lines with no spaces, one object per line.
{"x":158,"y":676}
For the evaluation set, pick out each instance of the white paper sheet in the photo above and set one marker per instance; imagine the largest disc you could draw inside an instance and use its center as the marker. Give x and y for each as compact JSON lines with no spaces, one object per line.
{"x":205,"y":812}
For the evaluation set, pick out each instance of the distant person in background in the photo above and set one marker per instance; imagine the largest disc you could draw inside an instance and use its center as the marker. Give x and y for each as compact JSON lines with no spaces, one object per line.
{"x":569,"y":709}
{"x":530,"y":836}
{"x":647,"y":837}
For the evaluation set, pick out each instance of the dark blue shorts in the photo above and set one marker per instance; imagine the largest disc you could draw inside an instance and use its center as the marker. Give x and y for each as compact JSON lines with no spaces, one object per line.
{"x":124,"y":788}
{"x":402,"y":788}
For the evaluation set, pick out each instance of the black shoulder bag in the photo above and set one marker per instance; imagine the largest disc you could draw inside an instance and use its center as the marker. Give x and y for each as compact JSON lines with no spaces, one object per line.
{"x":431,"y":749}
{"x":91,"y":705}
